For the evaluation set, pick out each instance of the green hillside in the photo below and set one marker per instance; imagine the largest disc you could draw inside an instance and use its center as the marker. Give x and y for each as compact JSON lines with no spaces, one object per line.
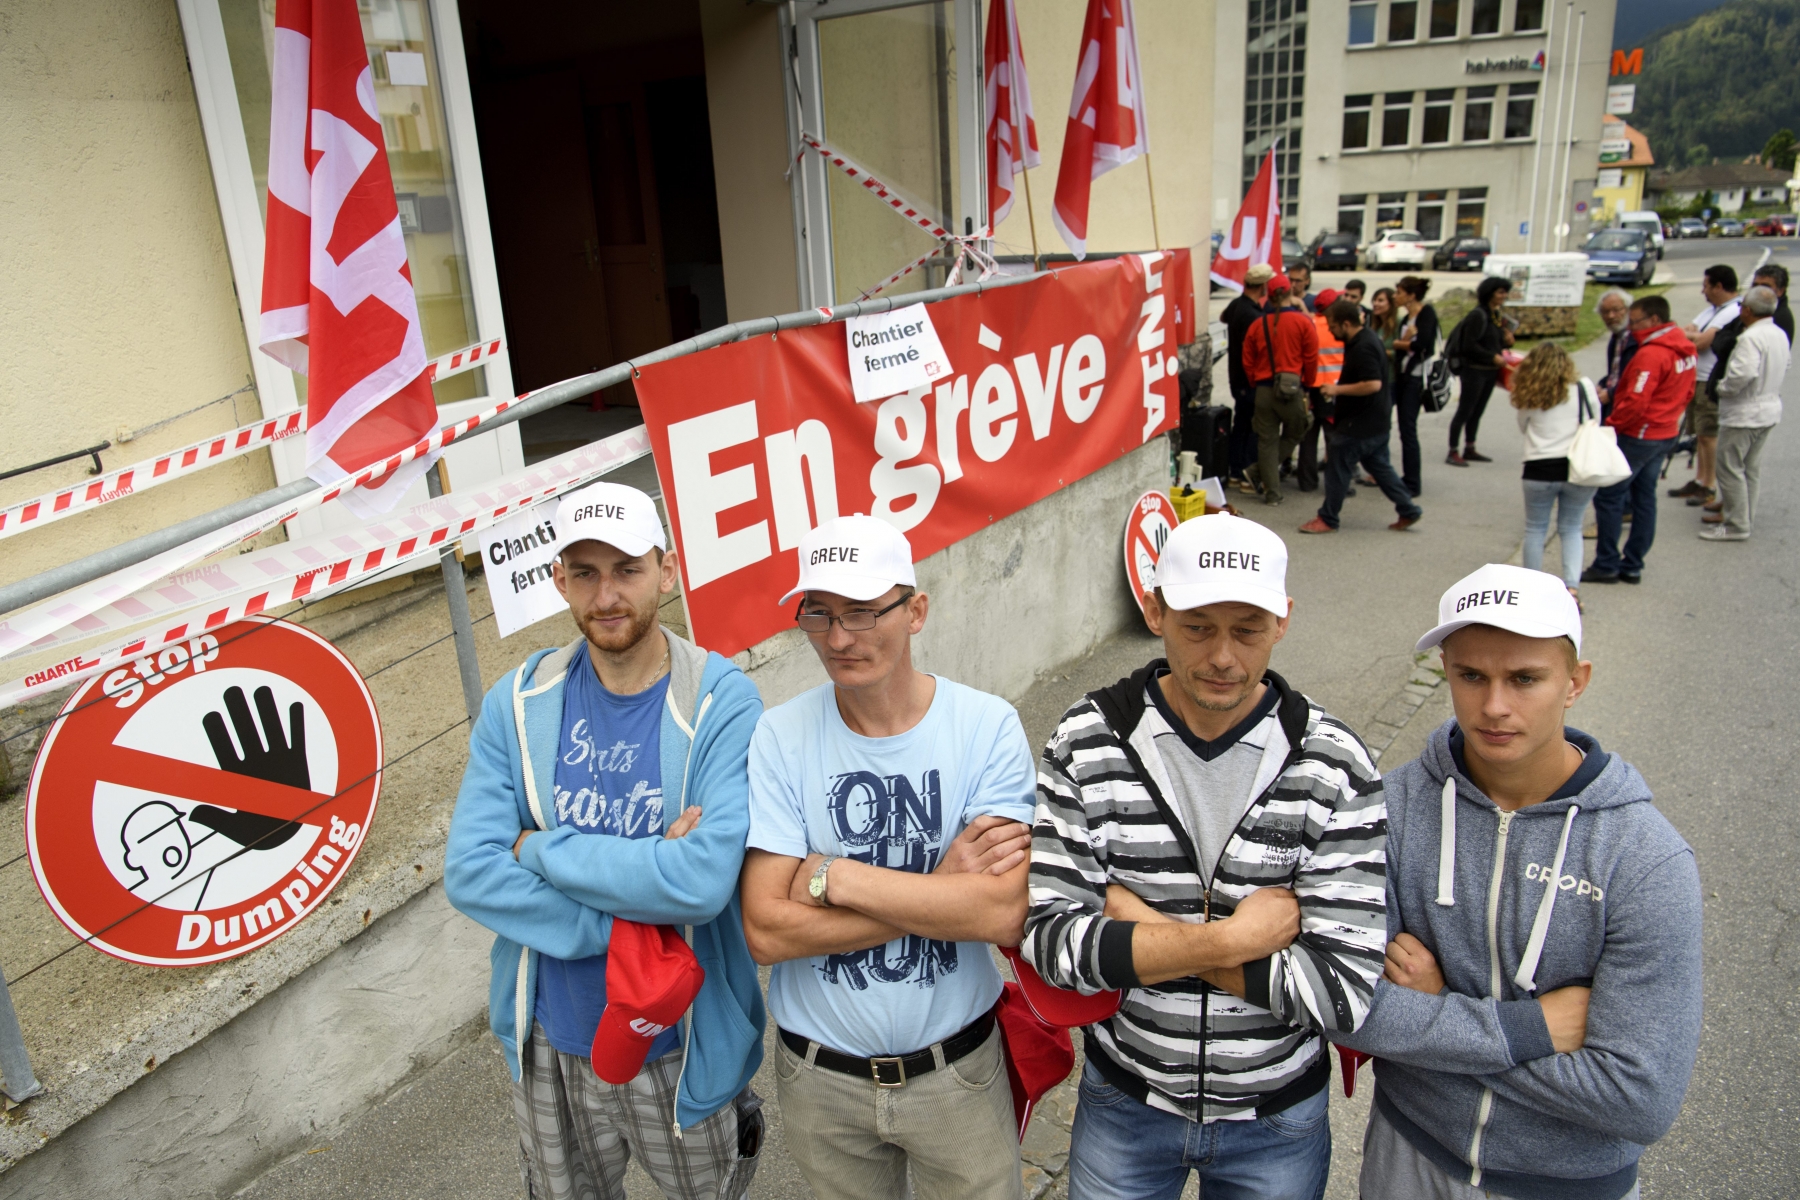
{"x":1719,"y":85}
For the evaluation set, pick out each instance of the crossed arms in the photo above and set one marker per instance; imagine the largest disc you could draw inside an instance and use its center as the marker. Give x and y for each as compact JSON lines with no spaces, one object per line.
{"x":975,"y":894}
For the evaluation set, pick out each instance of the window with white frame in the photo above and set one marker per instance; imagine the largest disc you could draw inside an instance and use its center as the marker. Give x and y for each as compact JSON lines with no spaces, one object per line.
{"x":1353,"y":211}
{"x":1435,"y":129}
{"x":1396,"y":119}
{"x":1471,"y":211}
{"x":1444,"y":18}
{"x":1428,"y":215}
{"x":1484,"y":18}
{"x":1357,"y":110}
{"x":1362,"y":24}
{"x":1478,"y":113}
{"x":1403,"y":21}
{"x":1521,"y":107}
{"x":1528,"y":16}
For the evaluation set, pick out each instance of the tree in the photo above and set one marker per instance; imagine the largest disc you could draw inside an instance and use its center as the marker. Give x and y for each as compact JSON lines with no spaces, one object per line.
{"x":1779,"y":150}
{"x":1698,"y":155}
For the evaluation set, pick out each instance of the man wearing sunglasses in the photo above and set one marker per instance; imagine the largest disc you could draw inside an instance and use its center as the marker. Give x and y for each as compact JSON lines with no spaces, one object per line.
{"x":888,"y":848}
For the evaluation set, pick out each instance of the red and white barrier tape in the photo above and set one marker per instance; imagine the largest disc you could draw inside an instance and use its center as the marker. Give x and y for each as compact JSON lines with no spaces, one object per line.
{"x":24,"y":630}
{"x":116,"y":485}
{"x":913,"y":212}
{"x":196,"y":456}
{"x":466,"y":359}
{"x":201,"y":601}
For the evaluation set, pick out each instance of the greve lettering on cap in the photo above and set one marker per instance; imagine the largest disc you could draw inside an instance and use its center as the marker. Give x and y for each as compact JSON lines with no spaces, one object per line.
{"x":831,"y":554}
{"x":1486,"y":599}
{"x":1229,"y":560}
{"x":601,"y":512}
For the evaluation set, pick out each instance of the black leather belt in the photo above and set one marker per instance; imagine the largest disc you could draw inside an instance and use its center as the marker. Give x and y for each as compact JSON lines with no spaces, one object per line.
{"x":894,"y":1071}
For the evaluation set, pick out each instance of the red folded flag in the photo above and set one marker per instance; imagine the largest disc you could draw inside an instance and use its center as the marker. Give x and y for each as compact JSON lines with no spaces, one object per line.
{"x":337,"y":302}
{"x":1107,"y":127}
{"x":1012,"y":142}
{"x":1255,"y":235}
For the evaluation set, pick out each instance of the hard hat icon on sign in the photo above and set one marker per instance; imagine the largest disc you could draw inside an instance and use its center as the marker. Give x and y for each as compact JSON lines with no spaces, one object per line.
{"x":190,"y":813}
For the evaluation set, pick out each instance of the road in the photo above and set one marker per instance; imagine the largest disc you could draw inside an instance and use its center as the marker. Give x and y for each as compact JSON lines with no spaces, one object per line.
{"x":1693,"y":684}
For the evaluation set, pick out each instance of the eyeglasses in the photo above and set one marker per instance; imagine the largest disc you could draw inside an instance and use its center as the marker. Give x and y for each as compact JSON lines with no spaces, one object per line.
{"x":857,"y":621}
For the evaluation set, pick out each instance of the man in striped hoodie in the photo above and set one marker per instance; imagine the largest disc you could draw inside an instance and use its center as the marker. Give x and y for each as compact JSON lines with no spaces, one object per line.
{"x":1211,"y":843}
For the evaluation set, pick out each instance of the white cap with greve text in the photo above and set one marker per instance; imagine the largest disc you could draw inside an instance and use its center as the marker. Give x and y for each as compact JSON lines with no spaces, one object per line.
{"x":856,"y":557}
{"x":613,"y":513}
{"x":1533,"y":604}
{"x":1222,"y":559}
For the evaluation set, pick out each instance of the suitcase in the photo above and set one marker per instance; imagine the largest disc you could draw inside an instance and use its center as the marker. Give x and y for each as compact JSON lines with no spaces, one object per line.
{"x":1207,"y":432}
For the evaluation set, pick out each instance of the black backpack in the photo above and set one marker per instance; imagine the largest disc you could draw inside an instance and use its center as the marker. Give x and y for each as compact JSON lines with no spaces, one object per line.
{"x":1724,"y":342}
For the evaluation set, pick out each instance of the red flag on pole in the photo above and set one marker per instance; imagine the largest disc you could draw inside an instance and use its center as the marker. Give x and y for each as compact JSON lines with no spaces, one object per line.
{"x":1255,"y":235}
{"x":1107,"y":127}
{"x":337,"y":302}
{"x":1012,"y":143}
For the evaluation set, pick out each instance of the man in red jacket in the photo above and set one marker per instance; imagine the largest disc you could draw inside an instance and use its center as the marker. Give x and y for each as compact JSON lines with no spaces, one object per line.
{"x":1281,"y":374}
{"x":1647,"y":406}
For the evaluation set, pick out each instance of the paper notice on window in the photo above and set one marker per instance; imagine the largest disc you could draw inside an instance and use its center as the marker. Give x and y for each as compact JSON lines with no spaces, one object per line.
{"x":516,"y":556}
{"x":894,"y":352}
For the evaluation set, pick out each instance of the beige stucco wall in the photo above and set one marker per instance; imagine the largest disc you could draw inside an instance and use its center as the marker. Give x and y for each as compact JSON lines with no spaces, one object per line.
{"x":118,"y":306}
{"x":749,"y":137}
{"x":1175,"y":46}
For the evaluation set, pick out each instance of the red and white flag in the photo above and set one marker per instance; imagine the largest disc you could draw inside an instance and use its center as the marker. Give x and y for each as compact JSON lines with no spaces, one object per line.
{"x":1255,"y":235}
{"x":1107,"y":127}
{"x":337,"y":302}
{"x":1012,"y":143}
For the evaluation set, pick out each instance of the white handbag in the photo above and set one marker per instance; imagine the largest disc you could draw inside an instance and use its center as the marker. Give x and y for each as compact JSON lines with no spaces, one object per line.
{"x":1595,"y":459}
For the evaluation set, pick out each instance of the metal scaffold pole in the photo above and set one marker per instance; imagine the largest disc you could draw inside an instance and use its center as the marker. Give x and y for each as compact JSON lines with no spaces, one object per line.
{"x":457,"y":594}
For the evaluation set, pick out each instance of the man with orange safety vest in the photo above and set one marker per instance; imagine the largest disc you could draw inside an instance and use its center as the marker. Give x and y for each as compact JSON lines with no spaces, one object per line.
{"x":1331,"y":365}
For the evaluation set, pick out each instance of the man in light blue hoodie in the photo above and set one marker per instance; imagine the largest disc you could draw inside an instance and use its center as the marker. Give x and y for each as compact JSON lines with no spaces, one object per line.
{"x":574,"y":764}
{"x":1540,"y":1011}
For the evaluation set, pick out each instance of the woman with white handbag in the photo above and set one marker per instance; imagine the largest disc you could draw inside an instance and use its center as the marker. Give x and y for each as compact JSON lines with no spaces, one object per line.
{"x":1566,"y":459}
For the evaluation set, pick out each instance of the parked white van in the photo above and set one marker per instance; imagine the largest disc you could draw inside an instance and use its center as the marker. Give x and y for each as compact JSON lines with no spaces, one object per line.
{"x":1649,"y":222}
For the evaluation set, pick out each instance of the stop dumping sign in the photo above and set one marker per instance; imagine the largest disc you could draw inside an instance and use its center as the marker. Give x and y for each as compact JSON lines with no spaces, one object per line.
{"x":193,"y":806}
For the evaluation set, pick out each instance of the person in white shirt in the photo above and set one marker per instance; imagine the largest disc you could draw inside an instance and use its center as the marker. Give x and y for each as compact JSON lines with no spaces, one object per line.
{"x":1550,"y":399}
{"x":1719,"y":285}
{"x":1749,"y":408}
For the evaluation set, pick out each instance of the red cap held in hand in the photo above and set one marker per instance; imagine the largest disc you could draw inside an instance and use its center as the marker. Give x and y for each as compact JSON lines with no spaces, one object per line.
{"x":652,"y":977}
{"x":1059,"y":1006}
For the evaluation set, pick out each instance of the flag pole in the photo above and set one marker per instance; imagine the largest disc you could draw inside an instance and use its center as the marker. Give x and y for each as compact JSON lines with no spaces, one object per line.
{"x":1150,"y":179}
{"x":1037,"y":263}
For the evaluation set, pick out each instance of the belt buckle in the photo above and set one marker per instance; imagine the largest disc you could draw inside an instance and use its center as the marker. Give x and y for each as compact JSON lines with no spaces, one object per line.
{"x":898,"y":1066}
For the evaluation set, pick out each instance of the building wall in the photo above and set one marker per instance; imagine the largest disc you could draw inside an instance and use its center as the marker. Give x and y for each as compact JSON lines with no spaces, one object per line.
{"x":119,"y":308}
{"x":1176,"y":52}
{"x":744,"y":65}
{"x":1334,"y":70}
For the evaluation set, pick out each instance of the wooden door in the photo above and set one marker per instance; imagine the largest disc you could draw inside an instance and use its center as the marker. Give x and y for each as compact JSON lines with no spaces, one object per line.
{"x":534,"y":148}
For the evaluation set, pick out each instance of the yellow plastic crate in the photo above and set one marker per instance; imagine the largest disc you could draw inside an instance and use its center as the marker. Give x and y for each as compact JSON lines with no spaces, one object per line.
{"x":1188,"y":502}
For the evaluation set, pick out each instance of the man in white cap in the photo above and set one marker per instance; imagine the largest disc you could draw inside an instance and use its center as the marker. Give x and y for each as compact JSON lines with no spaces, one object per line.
{"x":1209,"y":842}
{"x":566,"y":821}
{"x":1540,"y":1011}
{"x":888,"y":847}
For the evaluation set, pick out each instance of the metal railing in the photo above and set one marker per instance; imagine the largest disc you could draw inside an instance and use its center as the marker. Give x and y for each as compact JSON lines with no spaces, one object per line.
{"x":104,"y":562}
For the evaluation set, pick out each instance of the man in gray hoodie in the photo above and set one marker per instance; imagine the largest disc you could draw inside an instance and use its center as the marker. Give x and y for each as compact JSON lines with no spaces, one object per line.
{"x":1540,"y":1009}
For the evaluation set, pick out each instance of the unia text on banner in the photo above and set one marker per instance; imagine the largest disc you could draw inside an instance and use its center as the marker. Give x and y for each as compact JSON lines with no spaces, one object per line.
{"x":759,"y":441}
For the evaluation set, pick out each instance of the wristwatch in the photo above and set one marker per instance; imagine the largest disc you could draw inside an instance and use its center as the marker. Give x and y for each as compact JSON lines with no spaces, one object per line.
{"x":815,"y":887}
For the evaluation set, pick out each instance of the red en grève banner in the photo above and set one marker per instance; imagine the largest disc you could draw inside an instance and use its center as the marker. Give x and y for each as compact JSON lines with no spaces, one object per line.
{"x":758,"y":441}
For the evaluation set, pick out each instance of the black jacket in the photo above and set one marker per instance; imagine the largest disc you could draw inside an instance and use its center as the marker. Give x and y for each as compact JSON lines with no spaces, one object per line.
{"x":1477,"y":340}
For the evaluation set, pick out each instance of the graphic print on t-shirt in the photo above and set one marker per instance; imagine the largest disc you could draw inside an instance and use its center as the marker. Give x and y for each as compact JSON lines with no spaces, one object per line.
{"x":610,"y":793}
{"x":887,"y":821}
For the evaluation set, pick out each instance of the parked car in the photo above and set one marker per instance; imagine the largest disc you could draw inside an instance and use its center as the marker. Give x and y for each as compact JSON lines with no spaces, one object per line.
{"x":1726,"y":227}
{"x":1649,"y":223}
{"x":1461,"y":254}
{"x":1773,"y":225}
{"x":1396,"y":248}
{"x":1620,"y":256}
{"x":1690,"y":227}
{"x":1292,"y":251}
{"x":1332,"y":251}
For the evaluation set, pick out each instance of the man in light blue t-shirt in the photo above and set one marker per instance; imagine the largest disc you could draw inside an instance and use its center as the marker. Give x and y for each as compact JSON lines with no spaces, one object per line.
{"x":888,"y":849}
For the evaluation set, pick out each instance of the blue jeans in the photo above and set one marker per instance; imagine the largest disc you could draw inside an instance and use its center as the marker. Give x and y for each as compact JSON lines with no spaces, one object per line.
{"x":1372,"y":453}
{"x":1122,"y":1149}
{"x":1645,"y":458}
{"x":1570,"y":501}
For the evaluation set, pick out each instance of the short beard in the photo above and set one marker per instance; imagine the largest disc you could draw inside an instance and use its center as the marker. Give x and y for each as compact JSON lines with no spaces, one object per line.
{"x":1224,"y":705}
{"x":1621,"y":327}
{"x":642,"y":621}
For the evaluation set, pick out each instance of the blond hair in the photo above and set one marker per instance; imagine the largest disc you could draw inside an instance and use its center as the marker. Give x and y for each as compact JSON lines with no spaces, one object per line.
{"x":1542,"y":380}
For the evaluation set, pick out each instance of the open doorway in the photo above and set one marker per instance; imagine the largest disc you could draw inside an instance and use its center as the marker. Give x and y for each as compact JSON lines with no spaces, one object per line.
{"x":597,"y":154}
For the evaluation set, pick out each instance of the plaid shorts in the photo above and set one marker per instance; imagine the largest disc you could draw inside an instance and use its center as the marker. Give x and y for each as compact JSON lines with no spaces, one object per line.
{"x":577,"y":1132}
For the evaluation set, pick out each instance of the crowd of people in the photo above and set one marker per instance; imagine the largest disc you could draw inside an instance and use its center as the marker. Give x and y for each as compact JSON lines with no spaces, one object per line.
{"x":1304,"y":366}
{"x":1203,"y":871}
